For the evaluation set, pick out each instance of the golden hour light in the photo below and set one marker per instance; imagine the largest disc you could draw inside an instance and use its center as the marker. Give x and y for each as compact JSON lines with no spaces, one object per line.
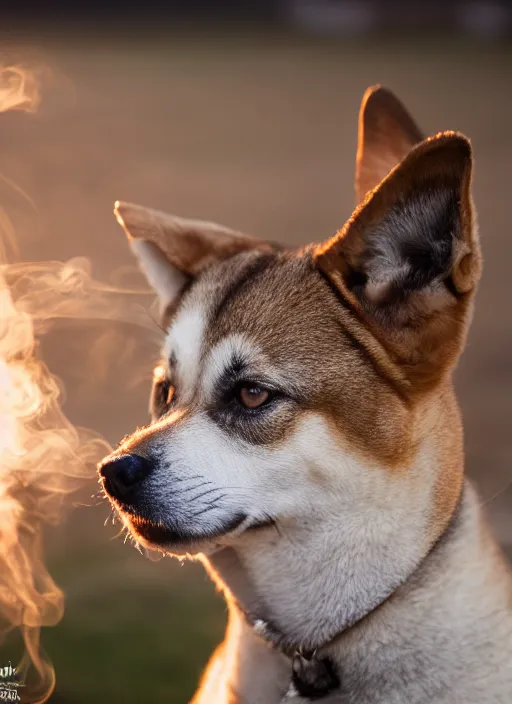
{"x":253,"y":323}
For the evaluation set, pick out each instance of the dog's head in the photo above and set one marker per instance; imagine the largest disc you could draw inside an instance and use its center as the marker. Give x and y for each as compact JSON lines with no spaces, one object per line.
{"x":299,"y":385}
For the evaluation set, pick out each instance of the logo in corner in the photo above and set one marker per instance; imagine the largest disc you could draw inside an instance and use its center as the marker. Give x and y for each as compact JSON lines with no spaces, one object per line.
{"x":9,"y":684}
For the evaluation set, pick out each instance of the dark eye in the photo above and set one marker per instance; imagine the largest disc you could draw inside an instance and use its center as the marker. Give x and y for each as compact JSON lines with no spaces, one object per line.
{"x":252,"y":396}
{"x":163,"y":393}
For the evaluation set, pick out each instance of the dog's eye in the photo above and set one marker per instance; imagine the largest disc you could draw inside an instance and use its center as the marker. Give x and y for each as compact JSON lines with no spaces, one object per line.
{"x":252,"y":396}
{"x":163,"y":393}
{"x":166,"y":393}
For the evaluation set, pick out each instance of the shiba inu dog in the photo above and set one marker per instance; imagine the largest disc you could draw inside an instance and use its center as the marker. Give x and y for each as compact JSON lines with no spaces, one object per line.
{"x":307,"y":445}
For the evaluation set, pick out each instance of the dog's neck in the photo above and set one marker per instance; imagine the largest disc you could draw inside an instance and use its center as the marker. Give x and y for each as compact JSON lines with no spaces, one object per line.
{"x":345,"y":613}
{"x":312,"y":587}
{"x":228,"y":568}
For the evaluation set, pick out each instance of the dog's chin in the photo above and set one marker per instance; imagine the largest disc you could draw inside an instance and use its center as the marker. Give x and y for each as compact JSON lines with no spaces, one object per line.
{"x":181,"y":541}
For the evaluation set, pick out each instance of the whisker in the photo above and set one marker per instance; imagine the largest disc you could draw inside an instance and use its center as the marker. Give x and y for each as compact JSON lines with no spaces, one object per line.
{"x":212,"y":505}
{"x":177,"y":480}
{"x":205,"y":493}
{"x":204,"y":510}
{"x":191,"y":488}
{"x":496,"y":494}
{"x":155,"y":321}
{"x":117,"y":535}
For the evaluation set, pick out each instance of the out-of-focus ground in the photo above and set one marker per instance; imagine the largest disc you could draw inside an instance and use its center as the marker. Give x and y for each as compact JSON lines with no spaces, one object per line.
{"x":258,"y":133}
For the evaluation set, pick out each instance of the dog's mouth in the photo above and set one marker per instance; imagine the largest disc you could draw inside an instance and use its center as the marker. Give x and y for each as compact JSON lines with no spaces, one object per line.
{"x":164,"y":536}
{"x":174,"y":529}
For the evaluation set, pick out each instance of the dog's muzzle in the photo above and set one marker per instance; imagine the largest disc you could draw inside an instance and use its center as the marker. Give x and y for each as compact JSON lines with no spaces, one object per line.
{"x":122,"y":475}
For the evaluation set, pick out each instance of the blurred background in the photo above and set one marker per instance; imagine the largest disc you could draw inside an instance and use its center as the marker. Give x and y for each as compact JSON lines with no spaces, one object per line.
{"x":246,"y":113}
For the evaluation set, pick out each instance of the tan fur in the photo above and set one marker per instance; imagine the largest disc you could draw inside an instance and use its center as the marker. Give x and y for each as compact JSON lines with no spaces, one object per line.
{"x":386,"y":134}
{"x":191,"y":245}
{"x":447,"y":159}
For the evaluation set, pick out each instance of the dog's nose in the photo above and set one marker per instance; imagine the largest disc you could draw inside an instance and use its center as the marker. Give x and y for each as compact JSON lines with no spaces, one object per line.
{"x":122,"y":473}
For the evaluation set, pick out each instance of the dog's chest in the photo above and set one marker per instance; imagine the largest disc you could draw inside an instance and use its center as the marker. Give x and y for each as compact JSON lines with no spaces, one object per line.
{"x":420,"y":680}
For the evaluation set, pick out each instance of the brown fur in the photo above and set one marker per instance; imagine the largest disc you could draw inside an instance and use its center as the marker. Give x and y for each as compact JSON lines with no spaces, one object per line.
{"x":315,"y":329}
{"x":191,"y":245}
{"x":387,"y":132}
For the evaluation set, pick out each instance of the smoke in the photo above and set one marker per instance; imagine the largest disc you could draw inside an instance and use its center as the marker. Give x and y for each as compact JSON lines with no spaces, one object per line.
{"x":43,"y":457}
{"x":19,"y":89}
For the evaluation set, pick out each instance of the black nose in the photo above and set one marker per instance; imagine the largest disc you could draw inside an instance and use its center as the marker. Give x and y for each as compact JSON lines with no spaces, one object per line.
{"x":121,"y":474}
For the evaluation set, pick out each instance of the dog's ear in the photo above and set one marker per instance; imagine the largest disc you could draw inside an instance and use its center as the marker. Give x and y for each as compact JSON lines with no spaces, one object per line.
{"x":171,"y":250}
{"x":408,"y":259}
{"x":386,"y":134}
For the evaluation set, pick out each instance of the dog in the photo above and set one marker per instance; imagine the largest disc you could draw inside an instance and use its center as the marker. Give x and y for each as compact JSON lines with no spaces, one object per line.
{"x":306,"y":443}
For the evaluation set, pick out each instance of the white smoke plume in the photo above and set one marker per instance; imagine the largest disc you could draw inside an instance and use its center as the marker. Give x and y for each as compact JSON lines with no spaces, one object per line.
{"x":43,"y":457}
{"x":19,"y":89}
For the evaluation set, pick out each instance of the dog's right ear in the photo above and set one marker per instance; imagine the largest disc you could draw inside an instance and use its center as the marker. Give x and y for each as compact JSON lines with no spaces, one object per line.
{"x":172,"y":251}
{"x":386,"y":134}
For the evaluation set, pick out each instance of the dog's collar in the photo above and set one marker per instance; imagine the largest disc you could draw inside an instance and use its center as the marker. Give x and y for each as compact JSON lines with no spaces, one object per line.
{"x":313,"y":676}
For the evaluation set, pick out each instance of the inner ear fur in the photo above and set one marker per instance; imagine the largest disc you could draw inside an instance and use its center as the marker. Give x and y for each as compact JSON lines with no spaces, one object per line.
{"x":408,"y":259}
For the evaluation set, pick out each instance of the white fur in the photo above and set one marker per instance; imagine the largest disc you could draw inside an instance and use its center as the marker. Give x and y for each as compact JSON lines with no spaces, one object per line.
{"x":166,"y":280}
{"x":349,"y":534}
{"x":221,"y":355}
{"x":185,"y":341}
{"x":445,"y":637}
{"x":380,"y":535}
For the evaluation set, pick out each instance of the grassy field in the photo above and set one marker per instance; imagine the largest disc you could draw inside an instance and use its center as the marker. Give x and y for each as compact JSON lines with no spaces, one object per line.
{"x":136,"y":639}
{"x":257,"y":132}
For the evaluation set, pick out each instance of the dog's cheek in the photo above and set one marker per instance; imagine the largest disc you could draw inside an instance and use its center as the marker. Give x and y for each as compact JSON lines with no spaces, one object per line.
{"x":243,"y":476}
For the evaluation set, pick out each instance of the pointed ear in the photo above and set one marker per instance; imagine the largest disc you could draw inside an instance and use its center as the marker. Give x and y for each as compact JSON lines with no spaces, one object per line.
{"x":172,"y":251}
{"x":408,"y":260}
{"x":386,"y":135}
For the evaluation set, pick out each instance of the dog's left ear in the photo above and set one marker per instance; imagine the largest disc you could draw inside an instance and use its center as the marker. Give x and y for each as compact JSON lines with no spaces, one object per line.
{"x":408,"y":259}
{"x":172,"y":251}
